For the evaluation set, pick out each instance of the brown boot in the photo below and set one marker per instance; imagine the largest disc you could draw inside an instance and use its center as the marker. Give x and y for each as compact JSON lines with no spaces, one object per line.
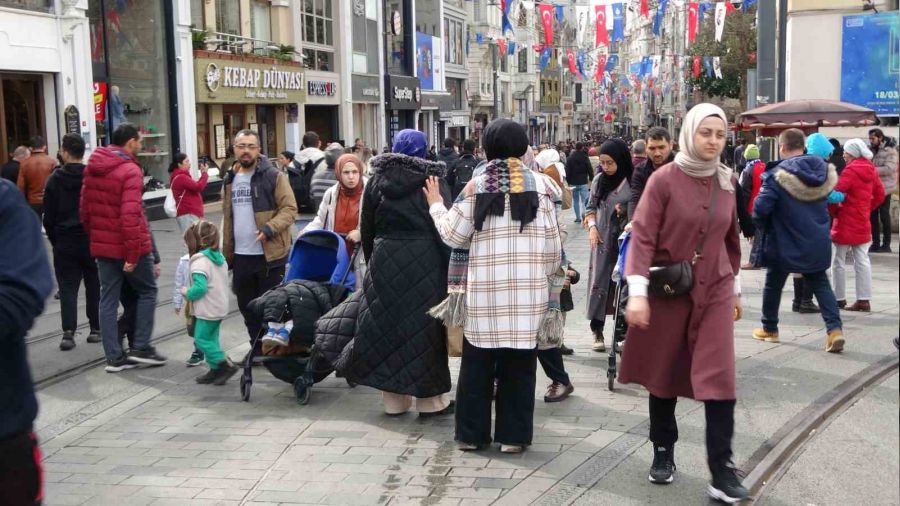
{"x":557,"y":392}
{"x":861,"y":306}
{"x":599,"y":344}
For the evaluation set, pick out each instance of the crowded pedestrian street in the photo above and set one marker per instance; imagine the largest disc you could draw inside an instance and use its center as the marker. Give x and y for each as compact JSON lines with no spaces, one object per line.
{"x":449,"y":252}
{"x":156,"y":437}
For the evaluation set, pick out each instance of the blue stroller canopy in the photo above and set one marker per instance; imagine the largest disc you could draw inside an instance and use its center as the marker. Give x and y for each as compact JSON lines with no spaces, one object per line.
{"x":320,"y":255}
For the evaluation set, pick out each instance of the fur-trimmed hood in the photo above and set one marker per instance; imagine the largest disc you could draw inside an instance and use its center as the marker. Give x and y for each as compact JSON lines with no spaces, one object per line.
{"x":397,"y":175}
{"x":807,"y":178}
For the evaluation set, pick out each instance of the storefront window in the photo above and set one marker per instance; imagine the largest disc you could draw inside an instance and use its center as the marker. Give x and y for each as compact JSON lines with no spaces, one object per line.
{"x":523,"y":61}
{"x":453,"y":41}
{"x":319,"y":60}
{"x":133,"y":70}
{"x":228,"y":17}
{"x":197,"y":14}
{"x":398,"y":62}
{"x":260,"y":20}
{"x":455,"y":87}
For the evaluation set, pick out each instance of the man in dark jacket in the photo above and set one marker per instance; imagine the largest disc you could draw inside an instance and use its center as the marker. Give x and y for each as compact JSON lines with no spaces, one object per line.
{"x":659,"y":149}
{"x":112,"y":214}
{"x":448,"y":153}
{"x":25,"y":283}
{"x":579,"y":174}
{"x":791,"y":212}
{"x":459,"y":174}
{"x":258,"y":208}
{"x":72,"y":260}
{"x":10,"y":169}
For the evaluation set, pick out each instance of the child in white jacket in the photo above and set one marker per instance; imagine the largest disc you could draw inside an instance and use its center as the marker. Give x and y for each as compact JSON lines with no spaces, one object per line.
{"x":181,"y":280}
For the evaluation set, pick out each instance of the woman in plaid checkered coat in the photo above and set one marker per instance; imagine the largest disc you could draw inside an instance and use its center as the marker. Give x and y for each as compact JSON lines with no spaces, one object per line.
{"x":506,"y":218}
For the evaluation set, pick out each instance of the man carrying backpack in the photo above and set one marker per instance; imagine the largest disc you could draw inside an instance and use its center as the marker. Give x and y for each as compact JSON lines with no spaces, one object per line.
{"x":460,"y":173}
{"x":300,"y":173}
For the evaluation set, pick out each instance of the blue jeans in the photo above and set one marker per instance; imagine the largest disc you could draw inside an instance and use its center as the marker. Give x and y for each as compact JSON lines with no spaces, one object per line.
{"x":820,"y":286}
{"x":112,"y":278}
{"x":580,"y":194}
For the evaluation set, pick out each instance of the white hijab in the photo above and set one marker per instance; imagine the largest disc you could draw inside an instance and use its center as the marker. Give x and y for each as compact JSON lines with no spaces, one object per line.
{"x":688,"y":160}
{"x":858,"y":149}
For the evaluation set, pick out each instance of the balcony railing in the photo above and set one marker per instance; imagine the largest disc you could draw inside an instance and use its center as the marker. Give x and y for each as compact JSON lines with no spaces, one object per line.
{"x":238,"y":45}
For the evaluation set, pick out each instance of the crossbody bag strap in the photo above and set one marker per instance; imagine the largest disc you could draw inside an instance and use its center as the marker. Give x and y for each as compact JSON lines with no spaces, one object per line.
{"x":698,"y":251}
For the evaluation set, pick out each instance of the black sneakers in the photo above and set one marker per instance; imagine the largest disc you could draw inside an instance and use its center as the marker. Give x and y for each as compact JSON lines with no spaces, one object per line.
{"x":146,"y":356}
{"x":94,"y":336}
{"x":726,"y":486}
{"x":208,"y":377}
{"x":68,"y":341}
{"x":119,"y":364}
{"x":662,"y":471}
{"x":225,"y":370}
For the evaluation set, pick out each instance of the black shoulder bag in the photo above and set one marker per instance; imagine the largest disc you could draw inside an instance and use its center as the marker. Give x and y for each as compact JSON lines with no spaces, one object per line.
{"x":678,"y":279}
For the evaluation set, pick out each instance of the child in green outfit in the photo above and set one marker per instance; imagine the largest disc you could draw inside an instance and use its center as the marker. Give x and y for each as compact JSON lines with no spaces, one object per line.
{"x":208,"y":293}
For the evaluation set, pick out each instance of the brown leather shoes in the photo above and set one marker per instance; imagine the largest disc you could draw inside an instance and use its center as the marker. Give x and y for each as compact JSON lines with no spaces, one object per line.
{"x":557,"y":392}
{"x":861,"y":306}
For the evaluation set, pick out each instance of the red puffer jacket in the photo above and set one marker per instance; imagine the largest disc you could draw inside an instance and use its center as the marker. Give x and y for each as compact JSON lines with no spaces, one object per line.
{"x":863,"y":192}
{"x":112,"y":210}
{"x":188,"y":193}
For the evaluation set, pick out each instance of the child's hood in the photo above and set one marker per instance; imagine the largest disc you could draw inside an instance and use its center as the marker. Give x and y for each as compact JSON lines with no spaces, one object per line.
{"x":214,"y":256}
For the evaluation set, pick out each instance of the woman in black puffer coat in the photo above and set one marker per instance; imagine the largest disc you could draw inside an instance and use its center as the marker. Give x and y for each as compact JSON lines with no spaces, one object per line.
{"x":398,"y":348}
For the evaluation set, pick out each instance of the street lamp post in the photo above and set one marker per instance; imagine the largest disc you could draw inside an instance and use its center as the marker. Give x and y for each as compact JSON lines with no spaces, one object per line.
{"x":495,"y":56}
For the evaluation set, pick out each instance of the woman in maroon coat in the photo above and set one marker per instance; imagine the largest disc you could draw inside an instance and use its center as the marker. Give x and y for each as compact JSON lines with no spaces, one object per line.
{"x":683,"y":346}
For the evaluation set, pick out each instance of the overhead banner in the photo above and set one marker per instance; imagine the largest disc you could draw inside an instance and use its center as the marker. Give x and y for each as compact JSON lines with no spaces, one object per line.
{"x":424,"y":60}
{"x":600,"y":21}
{"x":870,"y":62}
{"x":583,"y":18}
{"x":546,"y":11}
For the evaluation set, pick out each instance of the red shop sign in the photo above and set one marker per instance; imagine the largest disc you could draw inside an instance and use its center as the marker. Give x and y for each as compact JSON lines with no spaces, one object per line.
{"x":100,"y":98}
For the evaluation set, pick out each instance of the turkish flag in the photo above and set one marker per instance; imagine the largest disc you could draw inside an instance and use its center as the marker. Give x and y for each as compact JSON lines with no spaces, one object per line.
{"x":696,"y":67}
{"x":501,"y":43}
{"x":645,"y":9}
{"x":600,"y":18}
{"x":601,"y":67}
{"x":572,"y":68}
{"x":692,"y":21}
{"x":546,"y":11}
{"x":729,"y":7}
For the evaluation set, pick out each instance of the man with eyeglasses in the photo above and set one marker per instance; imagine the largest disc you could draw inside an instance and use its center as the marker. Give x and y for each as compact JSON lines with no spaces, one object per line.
{"x":259,"y":209}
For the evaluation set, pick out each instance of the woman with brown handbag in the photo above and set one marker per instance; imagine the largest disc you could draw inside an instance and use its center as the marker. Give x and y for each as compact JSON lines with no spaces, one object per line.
{"x":685,"y":252}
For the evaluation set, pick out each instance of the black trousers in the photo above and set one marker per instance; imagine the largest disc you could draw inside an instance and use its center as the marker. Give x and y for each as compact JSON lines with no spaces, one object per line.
{"x":552,"y":362}
{"x":514,"y":371}
{"x":252,"y":277}
{"x":719,"y":428}
{"x":21,"y":475}
{"x":73,"y":264}
{"x":881,"y":222}
{"x":597,"y":324}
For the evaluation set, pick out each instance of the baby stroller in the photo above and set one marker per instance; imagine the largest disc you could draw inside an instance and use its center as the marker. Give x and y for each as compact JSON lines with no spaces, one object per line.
{"x":620,"y":327}
{"x":318,"y":278}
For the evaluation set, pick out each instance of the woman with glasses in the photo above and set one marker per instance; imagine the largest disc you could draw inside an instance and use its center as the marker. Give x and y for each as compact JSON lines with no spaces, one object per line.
{"x":606,"y":216}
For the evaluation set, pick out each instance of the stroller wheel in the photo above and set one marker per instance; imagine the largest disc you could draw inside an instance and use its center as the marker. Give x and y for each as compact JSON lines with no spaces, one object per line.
{"x":302,"y":390}
{"x":245,"y":388}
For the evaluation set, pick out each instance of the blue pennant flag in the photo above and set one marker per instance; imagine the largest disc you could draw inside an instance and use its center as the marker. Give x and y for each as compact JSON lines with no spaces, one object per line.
{"x":559,"y":13}
{"x":745,"y":6}
{"x":612,"y":62}
{"x":506,"y":25}
{"x":701,"y":11}
{"x":479,"y":38}
{"x":646,"y":66}
{"x":511,"y":48}
{"x":580,"y":60}
{"x":660,"y":15}
{"x":707,"y":64}
{"x":618,"y":21}
{"x":545,"y":57}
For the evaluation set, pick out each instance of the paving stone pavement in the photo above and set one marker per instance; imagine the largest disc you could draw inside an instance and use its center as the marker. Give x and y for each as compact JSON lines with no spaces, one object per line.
{"x":154,"y":437}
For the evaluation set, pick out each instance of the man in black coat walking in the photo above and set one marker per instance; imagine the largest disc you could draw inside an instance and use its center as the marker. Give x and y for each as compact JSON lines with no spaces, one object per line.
{"x":579,"y":174}
{"x":659,"y":149}
{"x":71,"y":245}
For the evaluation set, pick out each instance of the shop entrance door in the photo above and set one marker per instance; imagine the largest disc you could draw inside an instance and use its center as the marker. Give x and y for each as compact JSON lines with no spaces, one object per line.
{"x":268,"y":136}
{"x":233,"y":117}
{"x":21,"y":110}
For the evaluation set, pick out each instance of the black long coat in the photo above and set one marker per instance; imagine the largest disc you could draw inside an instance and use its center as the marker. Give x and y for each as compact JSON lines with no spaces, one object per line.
{"x":399,"y":348}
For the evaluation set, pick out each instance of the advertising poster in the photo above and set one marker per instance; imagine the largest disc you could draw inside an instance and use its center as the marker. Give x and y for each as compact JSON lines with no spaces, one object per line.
{"x":869,"y":62}
{"x":424,"y":60}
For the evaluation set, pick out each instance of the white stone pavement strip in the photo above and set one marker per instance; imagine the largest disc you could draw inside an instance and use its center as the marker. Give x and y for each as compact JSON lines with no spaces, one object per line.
{"x":153,"y":436}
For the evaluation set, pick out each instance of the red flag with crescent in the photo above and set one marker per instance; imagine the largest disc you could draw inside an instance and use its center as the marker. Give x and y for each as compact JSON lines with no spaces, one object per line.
{"x":546,"y":11}
{"x":696,"y":67}
{"x":601,"y":67}
{"x":729,"y":7}
{"x":501,"y":43}
{"x":600,"y":20}
{"x":645,"y":9}
{"x":692,"y":21}
{"x":571,"y":56}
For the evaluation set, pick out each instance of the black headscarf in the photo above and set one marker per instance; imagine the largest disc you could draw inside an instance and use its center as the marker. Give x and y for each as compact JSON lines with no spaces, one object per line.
{"x":618,"y":151}
{"x":504,"y":139}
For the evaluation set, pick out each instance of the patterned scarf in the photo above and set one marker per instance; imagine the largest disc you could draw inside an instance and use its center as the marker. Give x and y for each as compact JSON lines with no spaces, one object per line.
{"x":506,"y":177}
